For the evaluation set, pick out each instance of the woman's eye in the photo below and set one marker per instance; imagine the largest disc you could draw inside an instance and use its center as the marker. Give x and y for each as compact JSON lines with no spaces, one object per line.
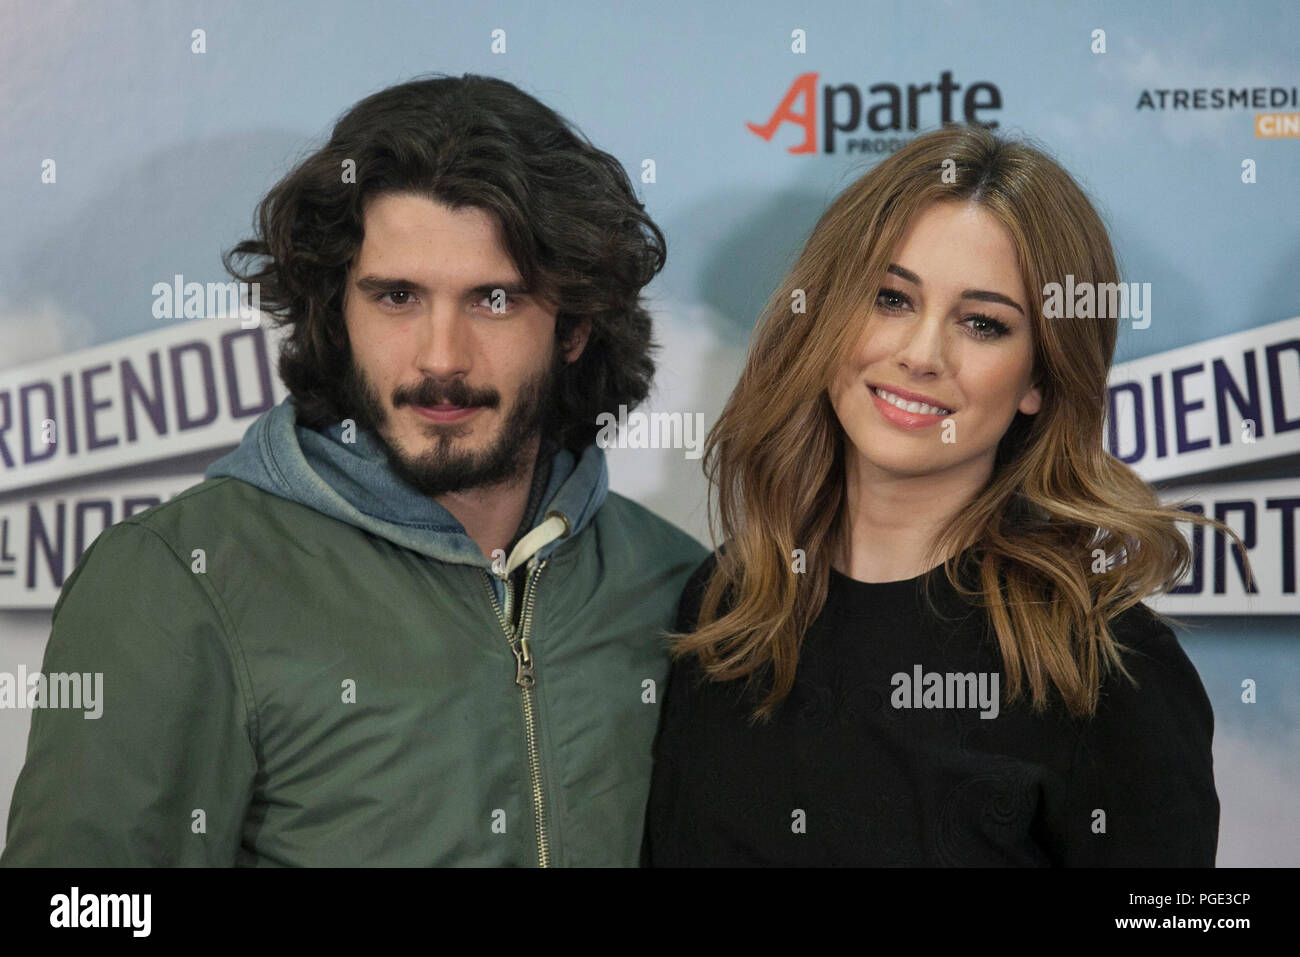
{"x":891,"y":294}
{"x":989,"y":327}
{"x":981,"y":326}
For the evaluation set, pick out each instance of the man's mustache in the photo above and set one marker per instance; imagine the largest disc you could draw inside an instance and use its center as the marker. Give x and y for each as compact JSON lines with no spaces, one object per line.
{"x":431,"y":392}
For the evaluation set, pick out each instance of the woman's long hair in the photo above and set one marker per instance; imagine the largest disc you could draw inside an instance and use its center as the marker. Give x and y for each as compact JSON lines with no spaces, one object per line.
{"x":1055,"y":503}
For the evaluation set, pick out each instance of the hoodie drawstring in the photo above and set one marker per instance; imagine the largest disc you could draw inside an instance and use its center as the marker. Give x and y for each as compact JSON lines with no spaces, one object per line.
{"x":555,"y":526}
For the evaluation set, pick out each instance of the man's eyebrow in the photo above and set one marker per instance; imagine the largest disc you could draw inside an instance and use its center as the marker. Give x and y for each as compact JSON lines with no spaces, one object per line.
{"x":514,"y":288}
{"x":382,"y":284}
{"x":389,"y":284}
{"x":981,"y":295}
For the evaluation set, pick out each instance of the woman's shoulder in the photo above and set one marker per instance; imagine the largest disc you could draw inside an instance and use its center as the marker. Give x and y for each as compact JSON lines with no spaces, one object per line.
{"x":1148,"y":639}
{"x":688,"y":609}
{"x":1164,"y":678}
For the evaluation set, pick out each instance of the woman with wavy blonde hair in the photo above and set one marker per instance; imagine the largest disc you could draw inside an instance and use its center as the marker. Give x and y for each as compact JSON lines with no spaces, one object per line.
{"x":923,"y":641}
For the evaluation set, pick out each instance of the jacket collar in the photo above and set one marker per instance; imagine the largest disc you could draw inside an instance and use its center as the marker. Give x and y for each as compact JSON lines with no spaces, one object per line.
{"x":352,"y":482}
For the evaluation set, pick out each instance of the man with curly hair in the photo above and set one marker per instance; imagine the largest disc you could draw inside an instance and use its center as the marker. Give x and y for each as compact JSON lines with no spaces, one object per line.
{"x":423,"y":631}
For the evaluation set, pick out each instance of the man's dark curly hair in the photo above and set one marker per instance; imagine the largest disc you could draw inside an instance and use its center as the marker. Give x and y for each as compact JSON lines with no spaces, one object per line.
{"x":567,"y":212}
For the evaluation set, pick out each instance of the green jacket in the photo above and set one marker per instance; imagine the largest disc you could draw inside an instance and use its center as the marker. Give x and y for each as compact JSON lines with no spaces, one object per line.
{"x":284,"y":686}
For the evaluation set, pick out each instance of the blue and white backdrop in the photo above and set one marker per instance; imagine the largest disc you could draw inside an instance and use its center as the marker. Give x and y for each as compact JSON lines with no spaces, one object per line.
{"x":135,"y":139}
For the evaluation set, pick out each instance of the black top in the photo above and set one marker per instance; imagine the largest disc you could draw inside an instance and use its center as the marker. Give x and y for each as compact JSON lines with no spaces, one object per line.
{"x":882,"y":755}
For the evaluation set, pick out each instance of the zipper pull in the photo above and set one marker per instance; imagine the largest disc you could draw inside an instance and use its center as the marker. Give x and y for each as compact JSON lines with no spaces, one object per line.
{"x":524,"y":676}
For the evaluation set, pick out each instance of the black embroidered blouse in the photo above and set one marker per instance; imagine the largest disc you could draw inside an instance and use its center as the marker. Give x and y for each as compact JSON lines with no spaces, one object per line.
{"x":891,"y":750}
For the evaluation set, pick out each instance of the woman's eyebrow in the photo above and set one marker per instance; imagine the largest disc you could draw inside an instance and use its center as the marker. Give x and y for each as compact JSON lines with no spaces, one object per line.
{"x":902,"y":273}
{"x":982,"y":295}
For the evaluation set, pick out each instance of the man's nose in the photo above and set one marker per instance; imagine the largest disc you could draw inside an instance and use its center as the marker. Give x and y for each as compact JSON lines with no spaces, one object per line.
{"x":445,"y":346}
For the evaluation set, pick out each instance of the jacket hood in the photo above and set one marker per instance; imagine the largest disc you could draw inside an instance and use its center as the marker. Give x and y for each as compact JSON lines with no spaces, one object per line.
{"x":352,"y":482}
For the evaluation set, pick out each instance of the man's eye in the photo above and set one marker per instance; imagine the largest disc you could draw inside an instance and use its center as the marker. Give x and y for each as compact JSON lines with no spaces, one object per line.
{"x":401,"y":297}
{"x":499,"y":303}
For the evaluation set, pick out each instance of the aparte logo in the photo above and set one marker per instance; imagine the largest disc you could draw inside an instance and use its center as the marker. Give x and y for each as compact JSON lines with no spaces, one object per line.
{"x":880,"y":108}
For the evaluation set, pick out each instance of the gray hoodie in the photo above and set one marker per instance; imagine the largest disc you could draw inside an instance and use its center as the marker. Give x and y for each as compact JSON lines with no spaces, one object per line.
{"x":352,"y":482}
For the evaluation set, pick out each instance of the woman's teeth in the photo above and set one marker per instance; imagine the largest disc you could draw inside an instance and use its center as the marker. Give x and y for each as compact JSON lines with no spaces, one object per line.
{"x":910,"y":406}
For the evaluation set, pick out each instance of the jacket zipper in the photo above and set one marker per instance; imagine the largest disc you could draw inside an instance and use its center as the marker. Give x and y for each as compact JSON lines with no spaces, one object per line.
{"x":526,"y":678}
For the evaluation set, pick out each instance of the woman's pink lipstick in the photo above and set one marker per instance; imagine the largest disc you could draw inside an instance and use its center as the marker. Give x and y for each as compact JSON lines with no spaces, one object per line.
{"x":903,"y":419}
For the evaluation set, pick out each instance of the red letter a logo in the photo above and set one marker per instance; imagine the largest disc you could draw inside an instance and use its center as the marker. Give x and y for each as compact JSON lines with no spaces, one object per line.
{"x":805,"y":86}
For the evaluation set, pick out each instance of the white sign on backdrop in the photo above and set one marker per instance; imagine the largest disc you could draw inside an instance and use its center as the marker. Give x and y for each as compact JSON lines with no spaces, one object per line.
{"x":197,"y":386}
{"x":1218,"y":403}
{"x":42,"y":537}
{"x":1267,"y":517}
{"x":188,"y":387}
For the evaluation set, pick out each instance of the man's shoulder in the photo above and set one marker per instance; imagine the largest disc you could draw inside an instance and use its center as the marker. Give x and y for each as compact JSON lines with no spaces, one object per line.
{"x":652,"y":531}
{"x":219,"y":504}
{"x":217,"y":517}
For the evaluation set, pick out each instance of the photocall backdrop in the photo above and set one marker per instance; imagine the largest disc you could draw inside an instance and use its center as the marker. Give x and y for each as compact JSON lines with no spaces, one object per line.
{"x":137,"y":138}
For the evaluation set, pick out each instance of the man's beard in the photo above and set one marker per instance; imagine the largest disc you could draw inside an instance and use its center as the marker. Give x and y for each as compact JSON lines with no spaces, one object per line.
{"x":441,"y":469}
